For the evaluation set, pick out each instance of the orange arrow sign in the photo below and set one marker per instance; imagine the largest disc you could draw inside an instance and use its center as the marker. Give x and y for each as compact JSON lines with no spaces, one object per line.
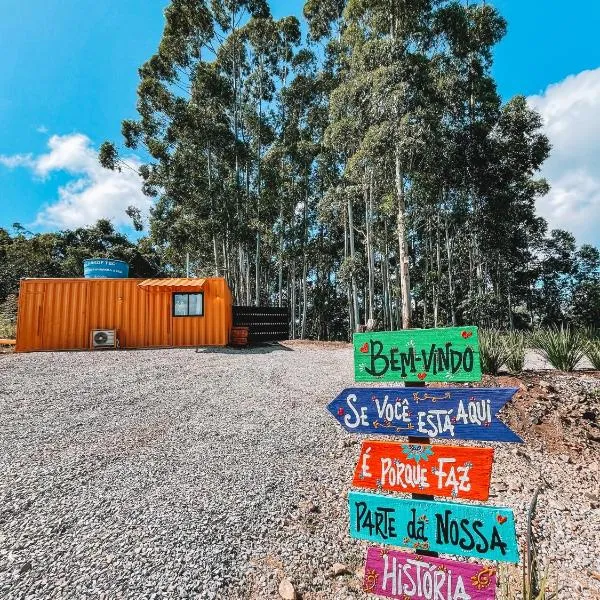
{"x":437,"y":470}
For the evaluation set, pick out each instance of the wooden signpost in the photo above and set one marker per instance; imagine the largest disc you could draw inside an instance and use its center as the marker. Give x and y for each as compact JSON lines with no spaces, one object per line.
{"x":451,"y":413}
{"x":451,"y":471}
{"x":448,"y":354}
{"x":462,"y":529}
{"x":413,"y":577}
{"x":425,"y":470}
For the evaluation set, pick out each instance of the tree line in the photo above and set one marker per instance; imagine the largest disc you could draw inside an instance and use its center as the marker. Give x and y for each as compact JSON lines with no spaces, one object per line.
{"x":367,"y":173}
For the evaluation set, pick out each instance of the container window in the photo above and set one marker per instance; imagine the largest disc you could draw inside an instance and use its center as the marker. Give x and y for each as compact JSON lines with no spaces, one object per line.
{"x":188,"y":305}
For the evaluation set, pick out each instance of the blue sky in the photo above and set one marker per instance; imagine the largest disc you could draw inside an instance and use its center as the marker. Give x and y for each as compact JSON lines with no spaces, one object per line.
{"x":69,"y":69}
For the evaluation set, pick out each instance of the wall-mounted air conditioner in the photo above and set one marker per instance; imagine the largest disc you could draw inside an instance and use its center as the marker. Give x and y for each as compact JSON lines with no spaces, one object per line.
{"x":104,"y":338}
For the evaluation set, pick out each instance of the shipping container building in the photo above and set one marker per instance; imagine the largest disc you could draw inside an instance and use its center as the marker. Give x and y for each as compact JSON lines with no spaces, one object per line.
{"x":61,"y":314}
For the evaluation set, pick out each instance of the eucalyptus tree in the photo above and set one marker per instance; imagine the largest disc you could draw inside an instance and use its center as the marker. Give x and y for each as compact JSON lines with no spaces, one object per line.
{"x":377,"y":172}
{"x":189,"y":125}
{"x":386,"y":104}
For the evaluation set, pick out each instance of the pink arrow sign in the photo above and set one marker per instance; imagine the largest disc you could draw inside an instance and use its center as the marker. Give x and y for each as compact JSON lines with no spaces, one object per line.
{"x":405,"y":576}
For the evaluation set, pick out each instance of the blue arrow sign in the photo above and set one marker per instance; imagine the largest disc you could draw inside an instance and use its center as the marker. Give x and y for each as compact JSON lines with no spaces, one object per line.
{"x":451,"y":413}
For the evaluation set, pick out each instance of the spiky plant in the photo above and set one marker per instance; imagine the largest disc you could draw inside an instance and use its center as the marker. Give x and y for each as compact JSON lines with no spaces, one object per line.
{"x":593,"y":353}
{"x":562,"y":347}
{"x":515,"y":344}
{"x":492,"y":351}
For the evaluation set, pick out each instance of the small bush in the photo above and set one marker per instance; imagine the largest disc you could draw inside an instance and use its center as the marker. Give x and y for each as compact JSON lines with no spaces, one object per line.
{"x":515,"y":343}
{"x":563,"y":347}
{"x":593,"y":353}
{"x":8,"y":317}
{"x":7,"y":328}
{"x":492,"y":351}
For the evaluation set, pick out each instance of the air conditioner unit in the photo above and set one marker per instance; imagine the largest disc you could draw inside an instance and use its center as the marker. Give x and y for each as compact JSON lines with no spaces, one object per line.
{"x":104,"y":338}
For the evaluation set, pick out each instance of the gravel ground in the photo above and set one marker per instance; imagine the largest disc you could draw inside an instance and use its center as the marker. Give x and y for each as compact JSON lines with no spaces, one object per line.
{"x":216,"y":474}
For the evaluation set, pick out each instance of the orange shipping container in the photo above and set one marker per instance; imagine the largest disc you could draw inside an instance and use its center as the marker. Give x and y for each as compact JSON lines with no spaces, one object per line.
{"x":60,"y":314}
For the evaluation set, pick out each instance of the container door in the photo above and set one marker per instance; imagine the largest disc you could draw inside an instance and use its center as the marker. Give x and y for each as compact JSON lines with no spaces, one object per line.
{"x":64,"y":318}
{"x":159,"y":326}
{"x":31,"y":322}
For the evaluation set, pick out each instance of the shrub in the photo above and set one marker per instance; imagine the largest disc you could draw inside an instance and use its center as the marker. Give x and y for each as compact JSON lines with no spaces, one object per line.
{"x":515,"y":344}
{"x":8,"y":329}
{"x":492,"y":351}
{"x":8,"y":317}
{"x":563,"y":347}
{"x":593,"y":353}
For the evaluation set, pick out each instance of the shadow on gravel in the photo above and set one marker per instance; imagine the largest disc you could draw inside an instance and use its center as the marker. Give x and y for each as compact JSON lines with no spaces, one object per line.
{"x":265,"y":348}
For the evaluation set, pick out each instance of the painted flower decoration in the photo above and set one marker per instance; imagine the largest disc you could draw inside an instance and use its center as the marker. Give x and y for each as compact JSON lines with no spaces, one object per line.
{"x":483,"y":578}
{"x":370,"y":580}
{"x":417,"y":452}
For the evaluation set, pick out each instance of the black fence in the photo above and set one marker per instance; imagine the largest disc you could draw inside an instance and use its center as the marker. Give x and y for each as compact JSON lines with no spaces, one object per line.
{"x":265,"y":323}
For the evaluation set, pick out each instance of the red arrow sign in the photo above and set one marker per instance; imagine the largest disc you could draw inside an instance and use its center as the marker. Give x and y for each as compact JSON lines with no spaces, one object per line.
{"x":438,"y":470}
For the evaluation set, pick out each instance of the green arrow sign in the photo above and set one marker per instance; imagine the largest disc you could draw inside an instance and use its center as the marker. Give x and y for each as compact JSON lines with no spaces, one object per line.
{"x":445,"y":354}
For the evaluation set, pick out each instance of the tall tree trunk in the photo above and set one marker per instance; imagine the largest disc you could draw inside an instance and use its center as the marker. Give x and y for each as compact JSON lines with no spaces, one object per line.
{"x":304,"y":264}
{"x":388,"y":284}
{"x":258,"y":192}
{"x":438,"y":262}
{"x":450,"y":279}
{"x":351,"y":321}
{"x":426,"y":275}
{"x":368,"y":249}
{"x":292,"y":279}
{"x":511,"y":320}
{"x":212,"y":213}
{"x":280,"y":257}
{"x":352,"y":256}
{"x":403,"y":245}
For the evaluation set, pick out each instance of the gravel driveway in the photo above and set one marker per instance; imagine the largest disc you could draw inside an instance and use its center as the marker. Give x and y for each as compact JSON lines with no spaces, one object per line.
{"x":210,"y":474}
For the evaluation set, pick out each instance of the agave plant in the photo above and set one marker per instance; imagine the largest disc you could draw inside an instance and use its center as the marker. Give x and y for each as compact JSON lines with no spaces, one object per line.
{"x":515,"y":343}
{"x":593,"y":353}
{"x":563,"y":347}
{"x":492,"y":351}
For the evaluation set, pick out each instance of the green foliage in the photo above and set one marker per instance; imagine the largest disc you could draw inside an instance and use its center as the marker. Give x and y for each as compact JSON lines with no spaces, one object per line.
{"x":516,"y":344}
{"x":61,"y":254}
{"x":592,"y":352}
{"x":585,"y":304}
{"x":347,"y":180}
{"x":8,"y":317}
{"x":493,"y":352}
{"x":563,"y":347}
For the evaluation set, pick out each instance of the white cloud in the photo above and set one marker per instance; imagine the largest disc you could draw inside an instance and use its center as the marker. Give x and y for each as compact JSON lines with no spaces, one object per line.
{"x":571,"y":110}
{"x":93,"y":192}
{"x":42,"y":129}
{"x":17,"y":160}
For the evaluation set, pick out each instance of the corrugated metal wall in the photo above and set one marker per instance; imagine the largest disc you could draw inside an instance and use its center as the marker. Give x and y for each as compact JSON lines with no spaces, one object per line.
{"x":59,"y":314}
